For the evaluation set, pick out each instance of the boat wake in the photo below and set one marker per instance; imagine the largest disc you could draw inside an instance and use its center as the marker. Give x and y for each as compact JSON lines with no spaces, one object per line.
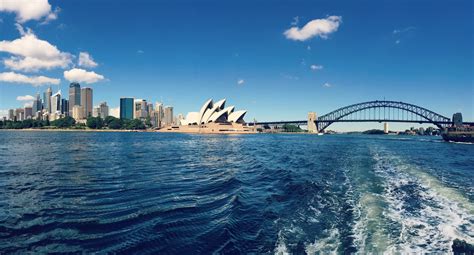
{"x":429,"y":215}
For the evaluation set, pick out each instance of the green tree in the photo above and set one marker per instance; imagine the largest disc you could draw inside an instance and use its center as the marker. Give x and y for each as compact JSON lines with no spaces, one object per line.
{"x":291,"y":128}
{"x":109,"y":119}
{"x":134,"y":124}
{"x":115,"y":124}
{"x":148,"y":122}
{"x":65,"y":122}
{"x":94,"y":122}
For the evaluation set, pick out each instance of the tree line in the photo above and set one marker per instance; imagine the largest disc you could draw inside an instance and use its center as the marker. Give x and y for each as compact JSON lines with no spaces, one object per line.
{"x":109,"y":122}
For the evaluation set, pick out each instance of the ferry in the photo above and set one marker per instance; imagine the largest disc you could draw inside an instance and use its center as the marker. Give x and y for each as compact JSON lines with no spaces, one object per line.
{"x":464,"y":134}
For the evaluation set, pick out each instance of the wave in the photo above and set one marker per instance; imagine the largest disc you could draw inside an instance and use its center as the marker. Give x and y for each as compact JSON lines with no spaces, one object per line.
{"x":429,"y":214}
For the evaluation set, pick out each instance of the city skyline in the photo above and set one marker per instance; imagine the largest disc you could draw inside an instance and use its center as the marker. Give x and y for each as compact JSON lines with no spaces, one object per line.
{"x":310,"y":56}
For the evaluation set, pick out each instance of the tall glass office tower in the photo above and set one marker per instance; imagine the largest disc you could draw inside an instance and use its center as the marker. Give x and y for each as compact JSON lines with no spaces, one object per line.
{"x":47,"y":99}
{"x":126,"y":108}
{"x":86,"y":101}
{"x":74,"y":96}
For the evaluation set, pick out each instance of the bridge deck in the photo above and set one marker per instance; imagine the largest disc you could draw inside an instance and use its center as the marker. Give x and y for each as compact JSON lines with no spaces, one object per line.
{"x":304,"y":122}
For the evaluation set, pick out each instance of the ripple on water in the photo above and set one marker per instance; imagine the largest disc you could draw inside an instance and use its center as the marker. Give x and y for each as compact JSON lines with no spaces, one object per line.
{"x":150,"y":193}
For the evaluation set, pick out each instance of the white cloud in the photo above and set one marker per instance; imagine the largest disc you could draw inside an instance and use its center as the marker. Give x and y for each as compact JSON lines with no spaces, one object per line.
{"x":240,"y":81}
{"x":25,"y":98}
{"x":316,"y":27}
{"x":115,"y":112}
{"x":403,"y":30}
{"x":86,"y":60}
{"x":140,"y":51}
{"x":316,"y":67}
{"x":32,"y":54}
{"x":397,"y":41}
{"x":28,"y":9}
{"x":308,"y":48}
{"x":23,"y":79}
{"x":81,"y":75}
{"x":327,"y":85}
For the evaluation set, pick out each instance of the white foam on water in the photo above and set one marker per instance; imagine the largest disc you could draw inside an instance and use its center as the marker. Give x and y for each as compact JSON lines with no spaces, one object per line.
{"x":444,"y":214}
{"x":368,"y":211}
{"x":369,"y":228}
{"x":327,"y":245}
{"x":280,"y":247}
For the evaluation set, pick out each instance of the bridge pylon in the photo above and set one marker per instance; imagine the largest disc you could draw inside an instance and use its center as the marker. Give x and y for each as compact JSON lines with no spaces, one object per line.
{"x":312,"y":127}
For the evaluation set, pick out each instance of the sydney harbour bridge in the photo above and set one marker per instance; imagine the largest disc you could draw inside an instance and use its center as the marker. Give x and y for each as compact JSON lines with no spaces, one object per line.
{"x":372,"y":111}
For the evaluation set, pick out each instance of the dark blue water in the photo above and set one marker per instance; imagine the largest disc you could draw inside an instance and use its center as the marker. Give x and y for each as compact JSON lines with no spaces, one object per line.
{"x":198,"y":194}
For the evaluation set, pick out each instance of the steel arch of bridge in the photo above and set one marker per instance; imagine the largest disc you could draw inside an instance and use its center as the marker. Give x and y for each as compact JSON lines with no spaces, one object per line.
{"x":338,"y":115}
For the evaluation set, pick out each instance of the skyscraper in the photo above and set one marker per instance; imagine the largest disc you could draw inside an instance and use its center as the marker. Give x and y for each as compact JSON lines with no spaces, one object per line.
{"x":159,"y":114}
{"x":37,"y":105}
{"x":19,"y":114}
{"x":74,"y":95}
{"x":65,"y":107}
{"x":86,"y":101}
{"x":140,"y":109}
{"x":28,"y":112}
{"x":55,"y":102}
{"x":149,"y":108}
{"x":126,"y":108}
{"x":78,"y":112}
{"x":11,"y":114}
{"x":104,"y":110}
{"x":169,"y":115}
{"x":47,"y":100}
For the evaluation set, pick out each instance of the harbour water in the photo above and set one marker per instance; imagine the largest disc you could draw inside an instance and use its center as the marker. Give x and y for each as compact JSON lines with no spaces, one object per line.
{"x":166,"y":193}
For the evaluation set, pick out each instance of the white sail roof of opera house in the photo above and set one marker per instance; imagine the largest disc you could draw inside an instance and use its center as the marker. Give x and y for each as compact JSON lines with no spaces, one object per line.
{"x":214,"y":112}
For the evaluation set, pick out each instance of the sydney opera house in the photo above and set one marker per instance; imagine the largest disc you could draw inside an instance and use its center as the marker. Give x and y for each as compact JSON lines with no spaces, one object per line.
{"x":213,"y":117}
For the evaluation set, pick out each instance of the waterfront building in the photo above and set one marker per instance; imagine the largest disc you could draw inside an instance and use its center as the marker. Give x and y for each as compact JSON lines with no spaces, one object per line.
{"x":56,"y":102}
{"x":11,"y":114}
{"x":78,"y":112}
{"x":159,"y":115}
{"x":140,"y":109}
{"x":385,"y":128}
{"x":457,"y":119}
{"x":179,"y":118}
{"x":149,"y":108}
{"x":19,"y":114}
{"x":168,"y":118}
{"x":65,"y":107}
{"x":38,"y":115}
{"x":214,"y":112}
{"x":126,"y":108}
{"x":47,"y":100}
{"x":95,"y":112}
{"x":212,"y":118}
{"x":28,"y":112}
{"x":45,"y":115}
{"x":103,"y":110}
{"x":37,"y":105}
{"x":74,"y":95}
{"x":86,"y":101}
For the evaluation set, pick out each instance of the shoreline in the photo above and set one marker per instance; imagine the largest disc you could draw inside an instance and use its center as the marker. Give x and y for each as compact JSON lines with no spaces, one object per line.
{"x":142,"y":131}
{"x":74,"y":130}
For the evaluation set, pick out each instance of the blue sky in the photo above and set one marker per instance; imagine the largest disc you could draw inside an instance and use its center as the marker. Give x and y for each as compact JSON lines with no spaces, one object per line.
{"x":183,"y":52}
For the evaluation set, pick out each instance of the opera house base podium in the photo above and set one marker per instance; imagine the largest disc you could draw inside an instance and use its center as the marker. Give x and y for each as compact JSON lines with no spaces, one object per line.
{"x":212,"y":128}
